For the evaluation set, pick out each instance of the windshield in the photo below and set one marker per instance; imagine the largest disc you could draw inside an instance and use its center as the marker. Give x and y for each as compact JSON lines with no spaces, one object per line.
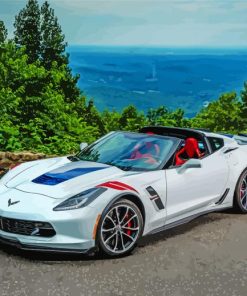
{"x":131,"y":151}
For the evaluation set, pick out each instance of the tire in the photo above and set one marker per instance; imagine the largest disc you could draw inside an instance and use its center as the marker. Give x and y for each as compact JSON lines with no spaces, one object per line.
{"x":120,"y":227}
{"x":240,"y":196}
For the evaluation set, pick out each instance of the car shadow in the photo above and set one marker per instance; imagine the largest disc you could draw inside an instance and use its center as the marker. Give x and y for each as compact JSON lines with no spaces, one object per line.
{"x":56,"y":258}
{"x":152,"y":239}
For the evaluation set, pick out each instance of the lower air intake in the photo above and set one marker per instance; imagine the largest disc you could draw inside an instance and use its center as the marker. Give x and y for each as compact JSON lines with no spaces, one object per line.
{"x":25,"y":227}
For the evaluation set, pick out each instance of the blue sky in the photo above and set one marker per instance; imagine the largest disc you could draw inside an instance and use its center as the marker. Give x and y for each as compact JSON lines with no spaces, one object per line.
{"x":184,"y":23}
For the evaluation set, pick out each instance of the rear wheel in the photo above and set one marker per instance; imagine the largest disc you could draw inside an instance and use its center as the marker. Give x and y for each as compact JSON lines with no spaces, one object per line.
{"x":120,"y":228}
{"x":240,"y":198}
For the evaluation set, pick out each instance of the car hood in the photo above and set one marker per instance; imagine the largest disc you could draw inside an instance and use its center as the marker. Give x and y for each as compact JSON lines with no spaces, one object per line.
{"x":60,"y":178}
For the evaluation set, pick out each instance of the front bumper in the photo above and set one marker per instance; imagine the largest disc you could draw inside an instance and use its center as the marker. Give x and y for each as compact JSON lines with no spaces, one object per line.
{"x":73,"y":229}
{"x":59,"y":243}
{"x":73,"y":235}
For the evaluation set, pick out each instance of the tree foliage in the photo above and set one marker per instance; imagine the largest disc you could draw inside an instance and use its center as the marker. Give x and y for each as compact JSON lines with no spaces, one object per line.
{"x":52,"y":39}
{"x":3,"y":32}
{"x":244,"y":105}
{"x":223,"y":115}
{"x":162,"y":116}
{"x":36,"y":113}
{"x":38,"y":31}
{"x":27,"y":30}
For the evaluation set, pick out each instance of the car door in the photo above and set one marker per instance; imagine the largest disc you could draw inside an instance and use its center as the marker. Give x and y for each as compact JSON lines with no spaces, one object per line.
{"x":194,"y":189}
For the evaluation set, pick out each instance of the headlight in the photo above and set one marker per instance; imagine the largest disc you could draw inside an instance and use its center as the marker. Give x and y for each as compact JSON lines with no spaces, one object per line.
{"x":80,"y":200}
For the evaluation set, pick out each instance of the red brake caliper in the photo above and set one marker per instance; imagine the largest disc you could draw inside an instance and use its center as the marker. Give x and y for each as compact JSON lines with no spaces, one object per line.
{"x":129,"y":224}
{"x":242,"y":191}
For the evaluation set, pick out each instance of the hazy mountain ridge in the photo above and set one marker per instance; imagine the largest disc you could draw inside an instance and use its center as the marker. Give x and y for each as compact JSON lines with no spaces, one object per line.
{"x":149,"y":77}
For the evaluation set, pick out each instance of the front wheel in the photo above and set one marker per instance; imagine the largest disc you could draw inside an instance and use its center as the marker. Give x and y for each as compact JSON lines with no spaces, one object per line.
{"x":240,"y":198}
{"x":120,"y":228}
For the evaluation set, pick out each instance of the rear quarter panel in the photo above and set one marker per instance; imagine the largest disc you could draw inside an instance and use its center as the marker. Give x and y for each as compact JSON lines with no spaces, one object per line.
{"x":237,"y":160}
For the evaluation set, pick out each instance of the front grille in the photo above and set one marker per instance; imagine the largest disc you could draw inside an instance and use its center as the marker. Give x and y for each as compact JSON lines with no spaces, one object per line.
{"x":24,"y":227}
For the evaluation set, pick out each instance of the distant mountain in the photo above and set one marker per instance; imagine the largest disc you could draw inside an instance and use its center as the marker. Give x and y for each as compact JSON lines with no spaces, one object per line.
{"x":150,"y":77}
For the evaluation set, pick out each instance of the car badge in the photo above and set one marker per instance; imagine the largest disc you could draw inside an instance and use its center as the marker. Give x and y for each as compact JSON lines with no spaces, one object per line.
{"x":10,"y":203}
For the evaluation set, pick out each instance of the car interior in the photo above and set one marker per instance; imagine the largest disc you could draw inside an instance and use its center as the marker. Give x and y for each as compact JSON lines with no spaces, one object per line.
{"x":193,"y":144}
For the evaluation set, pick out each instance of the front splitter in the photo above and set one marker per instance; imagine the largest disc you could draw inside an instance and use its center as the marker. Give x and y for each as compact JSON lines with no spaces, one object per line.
{"x":29,"y":247}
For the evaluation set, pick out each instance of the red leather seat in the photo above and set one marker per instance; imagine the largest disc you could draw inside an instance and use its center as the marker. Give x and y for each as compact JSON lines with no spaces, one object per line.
{"x":190,"y":149}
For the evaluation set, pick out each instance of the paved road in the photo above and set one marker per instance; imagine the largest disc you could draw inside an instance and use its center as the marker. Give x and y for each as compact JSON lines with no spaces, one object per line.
{"x":205,"y":257}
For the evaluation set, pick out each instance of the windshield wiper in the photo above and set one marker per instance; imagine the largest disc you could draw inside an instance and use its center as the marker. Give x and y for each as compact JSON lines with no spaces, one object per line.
{"x":124,"y":168}
{"x":121,"y":167}
{"x":73,"y":158}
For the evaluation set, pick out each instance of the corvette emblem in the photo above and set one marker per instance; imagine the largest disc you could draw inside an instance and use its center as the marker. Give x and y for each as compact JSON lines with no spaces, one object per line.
{"x":10,"y":203}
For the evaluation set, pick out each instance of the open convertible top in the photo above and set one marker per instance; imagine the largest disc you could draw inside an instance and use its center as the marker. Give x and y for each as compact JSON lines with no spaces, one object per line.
{"x":175,"y":131}
{"x":199,"y":134}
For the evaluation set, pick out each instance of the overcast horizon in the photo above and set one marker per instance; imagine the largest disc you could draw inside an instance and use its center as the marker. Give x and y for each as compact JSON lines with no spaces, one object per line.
{"x":149,"y":23}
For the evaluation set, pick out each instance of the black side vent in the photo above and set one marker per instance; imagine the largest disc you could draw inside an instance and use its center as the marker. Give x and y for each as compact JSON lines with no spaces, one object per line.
{"x":220,"y":201}
{"x":154,"y":197}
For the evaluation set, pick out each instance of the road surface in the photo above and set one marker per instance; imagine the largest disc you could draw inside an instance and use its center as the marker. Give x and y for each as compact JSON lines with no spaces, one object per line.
{"x":205,"y":257}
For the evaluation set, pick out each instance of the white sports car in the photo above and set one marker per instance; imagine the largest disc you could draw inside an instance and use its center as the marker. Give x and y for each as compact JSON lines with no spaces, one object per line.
{"x":122,"y":187}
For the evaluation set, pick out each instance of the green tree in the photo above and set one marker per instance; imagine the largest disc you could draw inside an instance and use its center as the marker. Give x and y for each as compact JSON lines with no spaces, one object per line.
{"x":35,"y":113}
{"x":244,"y":106}
{"x":131,"y":119}
{"x":52,"y":39}
{"x":27,"y":30}
{"x":3,"y":32}
{"x":176,"y":118}
{"x":162,"y":116}
{"x":93,"y":118}
{"x":39,"y":31}
{"x":52,"y":53}
{"x":111,"y":120}
{"x":156,"y":116}
{"x":223,"y":115}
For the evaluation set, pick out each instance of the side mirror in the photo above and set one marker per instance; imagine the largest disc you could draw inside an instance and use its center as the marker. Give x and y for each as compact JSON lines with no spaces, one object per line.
{"x":190,"y":164}
{"x":83,"y":146}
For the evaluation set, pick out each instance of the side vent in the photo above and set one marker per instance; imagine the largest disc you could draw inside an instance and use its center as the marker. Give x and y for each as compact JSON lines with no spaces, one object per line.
{"x":155,"y":198}
{"x":223,"y":197}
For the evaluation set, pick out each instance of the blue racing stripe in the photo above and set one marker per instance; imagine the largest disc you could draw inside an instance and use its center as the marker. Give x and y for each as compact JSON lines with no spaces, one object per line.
{"x":57,"y":178}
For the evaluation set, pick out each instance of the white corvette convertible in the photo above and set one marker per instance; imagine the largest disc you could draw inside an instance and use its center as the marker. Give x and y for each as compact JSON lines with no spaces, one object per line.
{"x":120,"y":188}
